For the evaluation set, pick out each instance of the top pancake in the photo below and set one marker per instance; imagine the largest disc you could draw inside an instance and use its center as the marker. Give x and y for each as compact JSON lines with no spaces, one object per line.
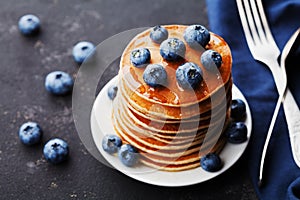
{"x":173,"y":95}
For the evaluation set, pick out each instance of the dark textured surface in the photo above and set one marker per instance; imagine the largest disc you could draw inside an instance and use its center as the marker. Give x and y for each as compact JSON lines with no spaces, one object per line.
{"x":25,"y":62}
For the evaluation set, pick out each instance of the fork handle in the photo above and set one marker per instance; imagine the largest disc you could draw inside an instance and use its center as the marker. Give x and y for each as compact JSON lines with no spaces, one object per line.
{"x":280,"y":82}
{"x":292,"y":115}
{"x":291,"y":110}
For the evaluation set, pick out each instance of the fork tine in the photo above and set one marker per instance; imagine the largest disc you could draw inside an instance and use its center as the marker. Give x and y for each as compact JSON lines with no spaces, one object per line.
{"x":251,"y":22}
{"x":257,"y":18}
{"x":264,"y":18}
{"x":265,"y":22}
{"x":244,"y":22}
{"x":248,"y":24}
{"x":256,"y":28}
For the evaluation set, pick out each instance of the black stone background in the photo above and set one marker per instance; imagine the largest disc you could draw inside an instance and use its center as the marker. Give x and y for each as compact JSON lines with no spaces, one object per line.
{"x":24,"y":63}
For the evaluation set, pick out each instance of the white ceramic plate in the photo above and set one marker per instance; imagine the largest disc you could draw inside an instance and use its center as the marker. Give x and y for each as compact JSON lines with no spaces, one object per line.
{"x":101,"y":125}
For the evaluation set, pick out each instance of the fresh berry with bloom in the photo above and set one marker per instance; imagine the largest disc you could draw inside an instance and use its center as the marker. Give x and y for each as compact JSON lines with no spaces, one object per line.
{"x":112,"y":92}
{"x":238,"y":110}
{"x":172,"y":49}
{"x":211,"y":60}
{"x":30,"y":133}
{"x":82,"y":51}
{"x":197,"y":36}
{"x":155,"y":75}
{"x":29,"y":24}
{"x":158,"y":34}
{"x":237,"y":133}
{"x":211,"y":162}
{"x":189,"y":75}
{"x":58,"y":83}
{"x":128,"y":155}
{"x":56,"y":151}
{"x":140,"y":57}
{"x":111,"y":143}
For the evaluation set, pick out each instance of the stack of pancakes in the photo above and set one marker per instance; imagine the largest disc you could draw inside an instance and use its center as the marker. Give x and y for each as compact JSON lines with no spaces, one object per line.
{"x":172,"y":127}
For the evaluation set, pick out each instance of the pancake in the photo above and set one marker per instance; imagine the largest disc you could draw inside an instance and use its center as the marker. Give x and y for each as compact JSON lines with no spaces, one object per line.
{"x":192,"y":111}
{"x":172,"y":127}
{"x":162,"y":111}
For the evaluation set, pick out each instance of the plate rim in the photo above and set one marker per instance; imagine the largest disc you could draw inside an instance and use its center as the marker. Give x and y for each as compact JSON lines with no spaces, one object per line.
{"x":144,"y":177}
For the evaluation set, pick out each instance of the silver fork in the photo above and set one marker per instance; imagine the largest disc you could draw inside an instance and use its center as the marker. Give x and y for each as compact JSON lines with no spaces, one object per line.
{"x":264,"y":49}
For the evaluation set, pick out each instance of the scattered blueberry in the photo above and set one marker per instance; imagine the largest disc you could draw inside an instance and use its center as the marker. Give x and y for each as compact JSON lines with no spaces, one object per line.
{"x":172,"y":49}
{"x":140,"y":57}
{"x":128,"y":155}
{"x":155,"y":75}
{"x":30,"y":133}
{"x":236,"y":133}
{"x":158,"y":34}
{"x":56,"y":151}
{"x":29,"y":24}
{"x":211,"y":60}
{"x":197,"y":36}
{"x":111,"y":143}
{"x":189,"y":75}
{"x":112,"y":92}
{"x":82,"y":51}
{"x":211,"y":162}
{"x":238,"y":110}
{"x":58,"y":83}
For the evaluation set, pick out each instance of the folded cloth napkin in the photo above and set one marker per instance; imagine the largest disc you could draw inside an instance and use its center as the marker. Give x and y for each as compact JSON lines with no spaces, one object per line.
{"x":255,"y":81}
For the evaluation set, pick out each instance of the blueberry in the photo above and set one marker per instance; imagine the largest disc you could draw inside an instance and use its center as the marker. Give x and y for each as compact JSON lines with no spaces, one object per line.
{"x":29,"y":24}
{"x":155,"y":75}
{"x":172,"y":49}
{"x":112,"y":92}
{"x":30,"y":133}
{"x":211,"y":162}
{"x":236,"y":133}
{"x":238,"y":110}
{"x":111,"y":143}
{"x":189,"y":75}
{"x":140,"y":57}
{"x":82,"y":51}
{"x":211,"y":60}
{"x":197,"y":36}
{"x":158,"y":34}
{"x":56,"y":150}
{"x":58,"y":83}
{"x":128,"y":155}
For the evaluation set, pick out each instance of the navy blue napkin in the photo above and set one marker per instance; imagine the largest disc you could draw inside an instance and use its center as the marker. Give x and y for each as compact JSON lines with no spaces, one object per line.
{"x":255,"y":81}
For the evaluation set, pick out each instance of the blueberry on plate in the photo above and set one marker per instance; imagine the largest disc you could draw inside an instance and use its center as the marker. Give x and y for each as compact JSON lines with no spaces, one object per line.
{"x":82,"y":51}
{"x":128,"y":155}
{"x":140,"y":57}
{"x":56,"y":151}
{"x":211,"y":60}
{"x":238,"y":110}
{"x":111,"y":143}
{"x":155,"y":75}
{"x":236,"y":133}
{"x":158,"y":34}
{"x":189,"y":75}
{"x":172,"y":49}
{"x":211,"y":162}
{"x":30,"y":133}
{"x":197,"y":36}
{"x":112,"y":92}
{"x":58,"y":83}
{"x":29,"y":24}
